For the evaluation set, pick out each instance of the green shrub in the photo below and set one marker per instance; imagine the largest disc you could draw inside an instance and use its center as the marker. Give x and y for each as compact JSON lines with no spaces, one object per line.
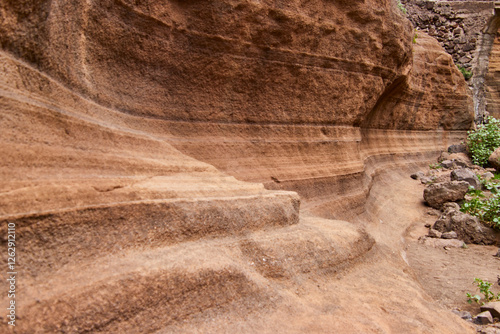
{"x":435,"y":166}
{"x":401,"y":7}
{"x":483,"y":141}
{"x":484,"y":288}
{"x":486,"y":208}
{"x":466,"y":73}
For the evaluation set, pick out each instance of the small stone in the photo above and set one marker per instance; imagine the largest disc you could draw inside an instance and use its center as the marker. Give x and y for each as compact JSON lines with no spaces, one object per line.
{"x":427,"y":179}
{"x":459,"y":148}
{"x":463,"y":314}
{"x":466,"y":175}
{"x":464,"y":60}
{"x":444,"y":156}
{"x":449,"y":235}
{"x":484,"y":318}
{"x":493,"y":308}
{"x":434,"y":233}
{"x":454,"y":163}
{"x":447,"y":164}
{"x":429,"y":225}
{"x":450,"y":206}
{"x":488,"y":176}
{"x":468,"y":47}
{"x":434,"y":212}
{"x":497,"y":255}
{"x":461,"y":159}
{"x":417,"y":175}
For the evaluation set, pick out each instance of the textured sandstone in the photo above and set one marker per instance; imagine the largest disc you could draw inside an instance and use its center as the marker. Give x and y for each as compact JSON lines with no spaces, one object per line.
{"x":491,"y":80}
{"x":417,"y":101}
{"x":153,"y":155}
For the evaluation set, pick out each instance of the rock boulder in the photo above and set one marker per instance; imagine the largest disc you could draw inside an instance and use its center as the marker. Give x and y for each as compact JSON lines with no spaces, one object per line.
{"x":493,"y":308}
{"x":467,"y":228}
{"x":467,"y":175}
{"x":494,"y":159}
{"x":484,"y":318}
{"x":439,"y":193}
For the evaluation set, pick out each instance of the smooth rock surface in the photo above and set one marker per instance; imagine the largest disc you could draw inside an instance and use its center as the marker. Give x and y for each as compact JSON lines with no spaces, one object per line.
{"x":434,"y":233}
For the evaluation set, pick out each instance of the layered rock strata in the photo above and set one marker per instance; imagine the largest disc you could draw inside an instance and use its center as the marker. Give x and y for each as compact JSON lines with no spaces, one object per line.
{"x":156,"y":154}
{"x":491,"y":80}
{"x":457,"y":25}
{"x":468,"y":31}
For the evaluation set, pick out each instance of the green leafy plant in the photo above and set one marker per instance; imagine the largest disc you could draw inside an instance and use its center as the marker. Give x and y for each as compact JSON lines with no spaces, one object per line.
{"x":474,"y":206}
{"x":483,"y":141}
{"x":415,"y":36}
{"x":466,"y":73}
{"x":486,"y":208}
{"x":401,"y":7}
{"x":484,"y":289}
{"x":435,"y":166}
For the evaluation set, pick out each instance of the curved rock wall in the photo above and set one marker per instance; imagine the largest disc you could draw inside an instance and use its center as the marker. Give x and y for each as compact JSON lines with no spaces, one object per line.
{"x":190,"y":144}
{"x":271,"y":92}
{"x":223,"y":61}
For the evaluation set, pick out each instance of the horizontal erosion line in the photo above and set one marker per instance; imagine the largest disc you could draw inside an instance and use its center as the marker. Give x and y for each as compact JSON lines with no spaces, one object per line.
{"x":34,"y":214}
{"x":250,"y":140}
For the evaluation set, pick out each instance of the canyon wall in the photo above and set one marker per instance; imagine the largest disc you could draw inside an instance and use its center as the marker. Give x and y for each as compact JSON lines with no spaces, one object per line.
{"x":492,"y":76}
{"x":185,"y":141}
{"x":468,"y":31}
{"x":457,"y":25}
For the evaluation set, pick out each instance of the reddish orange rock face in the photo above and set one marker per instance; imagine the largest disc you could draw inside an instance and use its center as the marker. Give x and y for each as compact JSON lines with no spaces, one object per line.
{"x":175,"y":165}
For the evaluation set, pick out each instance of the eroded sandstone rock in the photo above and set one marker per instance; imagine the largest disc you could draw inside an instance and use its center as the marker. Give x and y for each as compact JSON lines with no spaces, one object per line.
{"x":130,"y":127}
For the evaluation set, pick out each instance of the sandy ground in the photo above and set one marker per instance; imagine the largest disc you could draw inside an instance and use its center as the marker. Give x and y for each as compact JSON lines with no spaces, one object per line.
{"x":447,"y":274}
